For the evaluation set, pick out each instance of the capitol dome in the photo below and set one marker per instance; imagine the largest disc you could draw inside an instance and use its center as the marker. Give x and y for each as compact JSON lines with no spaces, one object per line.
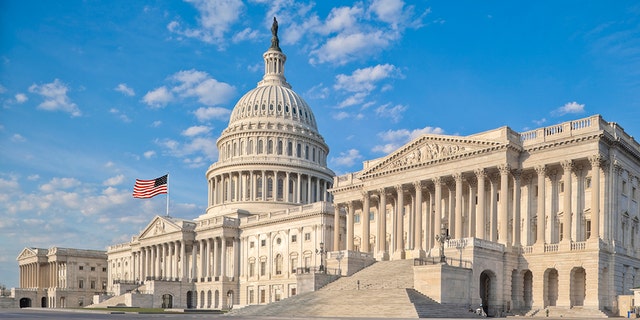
{"x":271,"y":154}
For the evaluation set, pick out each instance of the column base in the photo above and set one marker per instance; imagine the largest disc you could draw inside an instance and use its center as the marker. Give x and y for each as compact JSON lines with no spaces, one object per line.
{"x":382,"y":256}
{"x":398,"y":255}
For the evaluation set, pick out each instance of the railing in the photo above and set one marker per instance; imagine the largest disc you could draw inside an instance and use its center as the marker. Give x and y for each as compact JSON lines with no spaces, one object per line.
{"x":310,"y":270}
{"x":551,"y":247}
{"x":575,"y":246}
{"x":562,"y":129}
{"x":450,"y":261}
{"x":527,"y":249}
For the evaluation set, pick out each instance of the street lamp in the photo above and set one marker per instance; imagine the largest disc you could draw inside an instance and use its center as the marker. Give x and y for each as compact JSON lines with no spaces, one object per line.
{"x":339,"y":257}
{"x":442,"y":238}
{"x":322,"y":254}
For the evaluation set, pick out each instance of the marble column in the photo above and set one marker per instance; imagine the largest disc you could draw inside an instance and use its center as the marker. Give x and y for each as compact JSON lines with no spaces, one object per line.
{"x":223,"y":259}
{"x":596,"y":162}
{"x":437,"y":218}
{"x":481,"y":222}
{"x":503,"y":220}
{"x":399,"y":224}
{"x":540,"y":226}
{"x":516,"y":208}
{"x":350,"y":222}
{"x":382,"y":225}
{"x":567,"y":167}
{"x":336,"y":227}
{"x":417,"y":233}
{"x":458,"y":209}
{"x":365,"y":221}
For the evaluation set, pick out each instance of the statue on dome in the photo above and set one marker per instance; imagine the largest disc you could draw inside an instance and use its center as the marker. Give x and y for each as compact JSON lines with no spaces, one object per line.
{"x":275,"y":42}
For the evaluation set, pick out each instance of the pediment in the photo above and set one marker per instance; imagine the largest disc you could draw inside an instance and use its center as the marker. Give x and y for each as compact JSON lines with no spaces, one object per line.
{"x":28,"y":253}
{"x":159,"y":226}
{"x":428,"y":149}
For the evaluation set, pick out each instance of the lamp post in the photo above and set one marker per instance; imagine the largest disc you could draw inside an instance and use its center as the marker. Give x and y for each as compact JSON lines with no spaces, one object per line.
{"x":322,"y":254}
{"x":339,"y":257}
{"x":442,"y":238}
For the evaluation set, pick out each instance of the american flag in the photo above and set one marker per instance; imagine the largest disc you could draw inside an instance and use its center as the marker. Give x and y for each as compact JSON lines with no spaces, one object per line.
{"x":150,"y":188}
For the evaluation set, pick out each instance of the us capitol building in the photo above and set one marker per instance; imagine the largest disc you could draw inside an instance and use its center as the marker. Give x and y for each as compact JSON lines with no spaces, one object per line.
{"x":517,"y":222}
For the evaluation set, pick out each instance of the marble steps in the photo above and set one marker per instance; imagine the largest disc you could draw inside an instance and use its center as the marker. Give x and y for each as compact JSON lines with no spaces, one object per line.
{"x":567,"y":312}
{"x":111,"y":302}
{"x":380,"y":275}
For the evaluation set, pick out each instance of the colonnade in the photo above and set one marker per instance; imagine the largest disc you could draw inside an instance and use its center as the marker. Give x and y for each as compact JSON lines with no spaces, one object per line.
{"x":267,"y":185}
{"x":500,"y":204}
{"x":46,"y":275}
{"x":199,"y":261}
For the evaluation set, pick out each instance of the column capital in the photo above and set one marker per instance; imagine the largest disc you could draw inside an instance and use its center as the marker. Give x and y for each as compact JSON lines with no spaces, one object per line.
{"x":567,"y":165}
{"x":517,"y":174}
{"x":364,"y":194}
{"x":504,"y":168}
{"x":541,"y":169}
{"x":437,"y":181}
{"x":418,"y":185}
{"x":457,"y":177}
{"x":472,"y":181}
{"x":596,"y":160}
{"x":480,"y":173}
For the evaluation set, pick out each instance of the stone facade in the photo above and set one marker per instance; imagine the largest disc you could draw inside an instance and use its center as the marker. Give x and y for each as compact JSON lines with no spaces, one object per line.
{"x":60,"y":277}
{"x":547,"y":217}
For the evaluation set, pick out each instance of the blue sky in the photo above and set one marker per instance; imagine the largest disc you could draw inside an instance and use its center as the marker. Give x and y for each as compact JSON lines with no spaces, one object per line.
{"x":94,"y":94}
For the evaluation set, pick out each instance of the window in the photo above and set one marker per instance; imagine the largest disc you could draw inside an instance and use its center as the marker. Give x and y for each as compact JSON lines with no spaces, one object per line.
{"x":93,"y":284}
{"x":293,"y":291}
{"x":278,"y":264}
{"x":588,"y":231}
{"x":289,"y":149}
{"x":624,"y":187}
{"x":356,"y":218}
{"x":306,"y":152}
{"x":279,"y":147}
{"x":561,"y":186}
{"x":294,"y":238}
{"x":259,"y":146}
{"x":294,"y":264}
{"x":263,"y":242}
{"x":252,"y":268}
{"x":104,"y":269}
{"x":93,"y":268}
{"x":104,"y":285}
{"x":633,"y":193}
{"x":81,"y":267}
{"x":270,"y":147}
{"x":307,"y":236}
{"x":587,"y":182}
{"x":263,"y":268}
{"x":263,"y":295}
{"x":251,"y":244}
{"x":371,"y":216}
{"x":80,"y":284}
{"x":251,"y":298}
{"x":279,"y":241}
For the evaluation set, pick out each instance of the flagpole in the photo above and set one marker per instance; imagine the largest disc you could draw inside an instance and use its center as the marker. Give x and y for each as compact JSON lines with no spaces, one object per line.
{"x":167,"y":194}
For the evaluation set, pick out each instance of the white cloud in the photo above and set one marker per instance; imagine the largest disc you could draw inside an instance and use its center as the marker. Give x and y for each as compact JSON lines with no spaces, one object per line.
{"x":55,"y":97}
{"x":246,"y":34}
{"x":191,"y":84}
{"x":114,"y":181}
{"x":347,"y":158}
{"x":21,"y":98}
{"x":389,"y":11}
{"x":18,"y":138}
{"x":396,"y":138}
{"x":158,"y":97}
{"x":364,"y":79}
{"x":394,"y":113}
{"x":120,"y":115}
{"x":569,"y":107}
{"x":344,"y":48}
{"x":214,"y":21}
{"x":196,"y":152}
{"x":206,"y":114}
{"x":125,"y":90}
{"x":196,"y":131}
{"x":149,"y":154}
{"x":341,"y":115}
{"x":59,"y":184}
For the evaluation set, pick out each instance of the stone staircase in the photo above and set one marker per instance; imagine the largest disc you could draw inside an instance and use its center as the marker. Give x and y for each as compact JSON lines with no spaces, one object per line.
{"x":383,"y":290}
{"x":111,"y":302}
{"x":567,"y":312}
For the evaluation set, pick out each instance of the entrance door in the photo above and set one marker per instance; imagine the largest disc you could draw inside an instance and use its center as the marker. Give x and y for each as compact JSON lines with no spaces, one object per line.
{"x":488,"y":291}
{"x":167,"y":301}
{"x":25,"y":303}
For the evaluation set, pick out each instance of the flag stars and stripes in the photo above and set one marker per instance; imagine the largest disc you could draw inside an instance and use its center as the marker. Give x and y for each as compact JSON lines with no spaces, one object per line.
{"x":150,"y":188}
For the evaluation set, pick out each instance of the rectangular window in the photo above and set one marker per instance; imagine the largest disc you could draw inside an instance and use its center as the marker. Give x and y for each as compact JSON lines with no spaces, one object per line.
{"x":307,"y":236}
{"x":93,"y":284}
{"x":263,"y":243}
{"x":633,"y":193}
{"x":263,"y":296}
{"x":93,"y":268}
{"x":294,"y":264}
{"x":587,"y":182}
{"x":251,"y":298}
{"x":293,"y":291}
{"x":294,"y":238}
{"x":624,"y":187}
{"x":81,"y":267}
{"x":252,"y":268}
{"x":561,"y":186}
{"x":80,"y":284}
{"x":371,"y":216}
{"x":263,"y":268}
{"x":356,"y":218}
{"x":251,"y":244}
{"x":588,"y":229}
{"x":104,"y":285}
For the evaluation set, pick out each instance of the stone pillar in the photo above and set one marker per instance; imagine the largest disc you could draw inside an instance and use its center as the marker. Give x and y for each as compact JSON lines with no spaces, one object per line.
{"x":481,"y":223}
{"x":398,"y":253}
{"x":596,"y":162}
{"x":458,"y":210}
{"x":471,"y":213}
{"x":194,"y":253}
{"x":567,"y":167}
{"x":215,"y":259}
{"x":437,"y":218}
{"x":418,"y":249}
{"x":286,"y":188}
{"x":350,"y":215}
{"x":252,"y":186}
{"x":540,"y":226}
{"x":336,"y":228}
{"x":183,"y":259}
{"x":308,"y":189}
{"x":298,"y":188}
{"x":263,"y":185}
{"x":516,"y":207}
{"x":493,"y":210}
{"x":382,"y":225}
{"x":274,"y":187}
{"x":365,"y":221}
{"x":223,"y":258}
{"x":503,"y":220}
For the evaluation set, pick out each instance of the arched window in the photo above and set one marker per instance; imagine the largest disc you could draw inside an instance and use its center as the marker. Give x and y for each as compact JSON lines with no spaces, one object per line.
{"x":259,"y":187}
{"x":279,"y":147}
{"x":270,"y":146}
{"x":269,"y":187}
{"x":289,"y":148}
{"x":299,"y":151}
{"x":259,"y":147}
{"x":306,"y":152}
{"x":313,"y":154}
{"x":280,"y":192}
{"x":250,"y":147}
{"x":278,"y":264}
